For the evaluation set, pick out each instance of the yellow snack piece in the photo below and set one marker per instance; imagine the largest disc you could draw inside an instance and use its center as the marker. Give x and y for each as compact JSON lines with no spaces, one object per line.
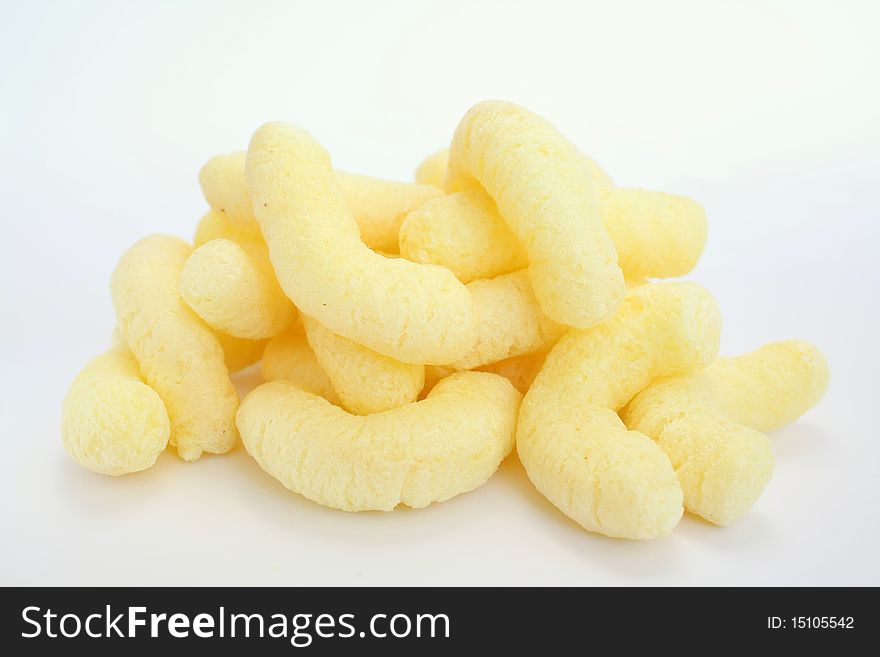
{"x":288,"y":357}
{"x":179,"y":356}
{"x":366,"y":382}
{"x":432,"y":170}
{"x":571,"y":442}
{"x":112,"y":422}
{"x":225,"y":188}
{"x":233,"y":288}
{"x":544,"y":191}
{"x":655,"y":235}
{"x":411,"y":312}
{"x":241,"y":297}
{"x":709,"y":422}
{"x":510,"y":321}
{"x":423,"y":452}
{"x":519,"y":370}
{"x":379,"y":206}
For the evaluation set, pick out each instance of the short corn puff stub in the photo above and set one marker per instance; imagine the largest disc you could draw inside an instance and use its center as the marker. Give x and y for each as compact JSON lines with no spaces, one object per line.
{"x":656,"y":235}
{"x":178,"y":354}
{"x":411,"y":312}
{"x":710,"y":422}
{"x":244,"y":299}
{"x":233,"y":288}
{"x":365,"y":381}
{"x":112,"y":422}
{"x":544,"y":190}
{"x":225,"y":188}
{"x":378,"y":206}
{"x":416,"y":454}
{"x":575,"y":448}
{"x":288,"y":357}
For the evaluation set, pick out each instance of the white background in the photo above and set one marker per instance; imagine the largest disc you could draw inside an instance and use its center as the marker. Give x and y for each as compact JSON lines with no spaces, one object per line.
{"x":768,"y":113}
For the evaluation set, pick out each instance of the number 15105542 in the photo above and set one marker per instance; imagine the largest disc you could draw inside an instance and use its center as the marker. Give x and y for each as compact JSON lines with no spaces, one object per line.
{"x":810,"y":623}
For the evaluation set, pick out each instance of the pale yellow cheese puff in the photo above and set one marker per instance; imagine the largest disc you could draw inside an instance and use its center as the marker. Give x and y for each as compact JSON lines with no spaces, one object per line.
{"x":655,"y":235}
{"x":709,"y":422}
{"x":233,"y":288}
{"x":411,"y":312}
{"x":571,"y":442}
{"x":510,"y":321}
{"x":432,"y":170}
{"x":416,"y":454}
{"x":178,"y":354}
{"x":366,"y":382}
{"x":519,"y":370}
{"x":545,"y":192}
{"x":112,"y":422}
{"x":379,"y":206}
{"x":225,"y":188}
{"x":288,"y":357}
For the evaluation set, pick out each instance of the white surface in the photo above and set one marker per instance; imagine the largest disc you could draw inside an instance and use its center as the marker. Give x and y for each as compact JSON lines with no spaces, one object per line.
{"x":768,"y":113}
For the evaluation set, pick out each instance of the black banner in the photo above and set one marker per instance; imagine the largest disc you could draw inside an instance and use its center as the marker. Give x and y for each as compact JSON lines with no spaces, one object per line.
{"x":429,"y":621}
